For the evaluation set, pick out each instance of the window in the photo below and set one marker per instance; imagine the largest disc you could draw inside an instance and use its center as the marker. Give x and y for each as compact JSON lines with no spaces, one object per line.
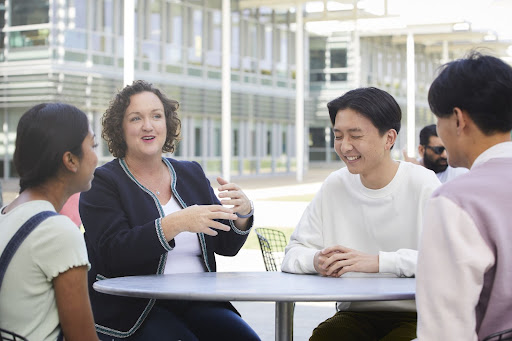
{"x":154,"y":25}
{"x":77,"y":13}
{"x":283,"y":50}
{"x":316,"y":137}
{"x":213,"y":56}
{"x":338,"y":58}
{"x":197,"y":141}
{"x":76,"y":36}
{"x":217,"y":139}
{"x":173,"y":50}
{"x":236,"y":142}
{"x":2,"y":24}
{"x":266,"y":63}
{"x":29,"y":12}
{"x":235,"y":40}
{"x":317,"y":65}
{"x":196,"y":36}
{"x":268,"y":150}
{"x":29,"y":38}
{"x":108,"y":16}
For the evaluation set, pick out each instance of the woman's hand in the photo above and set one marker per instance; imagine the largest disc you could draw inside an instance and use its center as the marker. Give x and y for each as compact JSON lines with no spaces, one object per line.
{"x":232,"y":194}
{"x":197,"y":219}
{"x":235,"y":197}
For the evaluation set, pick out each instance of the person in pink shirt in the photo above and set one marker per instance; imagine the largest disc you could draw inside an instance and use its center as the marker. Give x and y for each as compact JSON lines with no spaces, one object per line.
{"x":70,"y":209}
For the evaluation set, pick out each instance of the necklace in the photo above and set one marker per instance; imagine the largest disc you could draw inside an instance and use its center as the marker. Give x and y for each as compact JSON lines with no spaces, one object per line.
{"x":145,"y":184}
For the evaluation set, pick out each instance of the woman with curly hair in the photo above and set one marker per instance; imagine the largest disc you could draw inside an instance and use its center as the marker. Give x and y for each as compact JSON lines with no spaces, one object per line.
{"x":146,"y":214}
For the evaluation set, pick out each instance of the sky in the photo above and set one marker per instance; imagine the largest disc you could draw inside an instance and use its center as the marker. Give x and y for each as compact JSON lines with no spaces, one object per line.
{"x":492,"y":16}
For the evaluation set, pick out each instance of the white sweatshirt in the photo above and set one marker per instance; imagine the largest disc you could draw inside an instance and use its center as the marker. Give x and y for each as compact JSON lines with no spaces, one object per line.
{"x":385,"y":221}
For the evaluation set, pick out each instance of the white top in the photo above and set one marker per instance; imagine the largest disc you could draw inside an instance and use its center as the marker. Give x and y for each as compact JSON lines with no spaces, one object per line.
{"x":452,"y":236}
{"x":386,"y":222}
{"x":451,"y":173}
{"x":27,"y":297}
{"x":186,"y":255}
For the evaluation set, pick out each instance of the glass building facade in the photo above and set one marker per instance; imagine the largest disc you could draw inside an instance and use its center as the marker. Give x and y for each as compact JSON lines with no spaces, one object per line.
{"x":344,"y":61}
{"x":73,"y":51}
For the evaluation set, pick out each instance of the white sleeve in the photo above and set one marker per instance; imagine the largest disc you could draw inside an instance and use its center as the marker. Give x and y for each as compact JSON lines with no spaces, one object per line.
{"x":401,"y":263}
{"x":452,"y":261}
{"x":306,"y":240}
{"x":59,"y":246}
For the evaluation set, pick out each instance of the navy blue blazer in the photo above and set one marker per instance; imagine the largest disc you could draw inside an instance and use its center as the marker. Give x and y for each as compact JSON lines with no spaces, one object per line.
{"x":124,"y":237}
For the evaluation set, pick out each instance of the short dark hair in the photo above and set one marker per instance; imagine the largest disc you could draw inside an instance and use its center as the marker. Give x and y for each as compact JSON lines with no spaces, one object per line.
{"x":481,"y":85}
{"x":426,"y":132}
{"x":45,"y":132}
{"x":376,"y":105}
{"x":113,"y":118}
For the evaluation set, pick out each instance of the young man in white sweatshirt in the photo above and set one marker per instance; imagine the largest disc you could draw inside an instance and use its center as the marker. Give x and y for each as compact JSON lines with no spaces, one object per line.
{"x":365,"y":218}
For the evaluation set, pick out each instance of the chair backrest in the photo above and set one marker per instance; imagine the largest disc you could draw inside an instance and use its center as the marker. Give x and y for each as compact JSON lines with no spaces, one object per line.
{"x":500,"y":336}
{"x":6,"y":335}
{"x":272,"y":245}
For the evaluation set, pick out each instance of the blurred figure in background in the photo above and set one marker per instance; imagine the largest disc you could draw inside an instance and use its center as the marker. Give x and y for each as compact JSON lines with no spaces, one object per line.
{"x":433,"y":155}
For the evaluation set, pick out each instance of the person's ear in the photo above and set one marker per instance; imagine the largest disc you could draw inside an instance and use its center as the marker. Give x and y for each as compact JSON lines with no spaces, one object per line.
{"x":421,"y":150}
{"x":390,"y":138}
{"x":460,"y":120}
{"x":70,"y":162}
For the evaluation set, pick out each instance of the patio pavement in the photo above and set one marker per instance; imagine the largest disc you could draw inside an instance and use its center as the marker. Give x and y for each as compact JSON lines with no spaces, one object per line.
{"x":277,"y":214}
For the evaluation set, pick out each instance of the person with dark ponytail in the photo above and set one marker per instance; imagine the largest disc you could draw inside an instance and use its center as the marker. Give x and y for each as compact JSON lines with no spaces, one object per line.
{"x":43,"y":287}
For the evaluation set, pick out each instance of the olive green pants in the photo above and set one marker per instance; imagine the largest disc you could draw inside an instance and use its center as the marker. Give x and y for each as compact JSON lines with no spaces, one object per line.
{"x":367,"y":326}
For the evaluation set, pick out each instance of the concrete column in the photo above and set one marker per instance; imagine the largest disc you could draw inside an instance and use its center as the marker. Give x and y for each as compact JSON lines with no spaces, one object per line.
{"x":226,"y":90}
{"x":299,"y":90}
{"x":129,"y":42}
{"x":411,"y":94}
{"x":445,"y":58}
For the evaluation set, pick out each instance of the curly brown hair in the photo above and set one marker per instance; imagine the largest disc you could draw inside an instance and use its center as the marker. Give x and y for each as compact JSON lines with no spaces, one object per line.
{"x":112,"y":120}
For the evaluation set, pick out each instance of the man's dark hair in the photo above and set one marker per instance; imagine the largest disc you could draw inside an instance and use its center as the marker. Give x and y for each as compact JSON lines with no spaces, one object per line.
{"x":426,"y":132}
{"x":376,"y":105}
{"x":44,"y":133}
{"x":478,"y":84}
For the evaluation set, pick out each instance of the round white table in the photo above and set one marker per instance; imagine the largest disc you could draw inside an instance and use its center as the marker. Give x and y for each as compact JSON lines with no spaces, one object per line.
{"x":282,"y":288}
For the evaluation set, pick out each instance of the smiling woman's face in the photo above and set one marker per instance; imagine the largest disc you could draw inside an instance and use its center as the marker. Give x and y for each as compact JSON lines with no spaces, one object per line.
{"x":144,"y":126}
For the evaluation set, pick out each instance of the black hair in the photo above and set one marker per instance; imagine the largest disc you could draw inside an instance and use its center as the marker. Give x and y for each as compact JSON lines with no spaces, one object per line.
{"x":45,"y":132}
{"x":376,"y":105}
{"x":426,"y":132}
{"x":113,"y":118}
{"x":481,"y":85}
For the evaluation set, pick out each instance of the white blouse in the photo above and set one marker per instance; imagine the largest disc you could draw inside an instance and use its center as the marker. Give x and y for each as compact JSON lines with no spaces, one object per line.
{"x":186,"y":255}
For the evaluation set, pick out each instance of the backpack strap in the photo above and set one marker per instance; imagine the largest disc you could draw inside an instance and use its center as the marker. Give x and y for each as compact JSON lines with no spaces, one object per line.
{"x":18,"y":238}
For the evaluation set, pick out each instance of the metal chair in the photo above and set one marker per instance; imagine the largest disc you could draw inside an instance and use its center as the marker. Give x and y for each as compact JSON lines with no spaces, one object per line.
{"x":272,"y":244}
{"x":500,"y":336}
{"x":6,"y":335}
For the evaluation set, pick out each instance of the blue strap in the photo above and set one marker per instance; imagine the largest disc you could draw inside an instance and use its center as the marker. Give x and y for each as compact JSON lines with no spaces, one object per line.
{"x":18,"y":238}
